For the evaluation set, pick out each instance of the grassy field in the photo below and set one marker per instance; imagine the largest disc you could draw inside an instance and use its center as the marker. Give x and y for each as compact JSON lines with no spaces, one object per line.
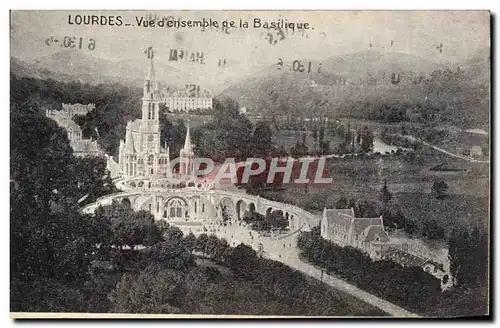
{"x":409,"y":182}
{"x":454,"y":210}
{"x":288,"y":138}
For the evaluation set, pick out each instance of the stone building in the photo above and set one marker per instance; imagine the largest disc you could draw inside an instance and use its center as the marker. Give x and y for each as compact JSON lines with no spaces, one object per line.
{"x":368,"y":234}
{"x":187,"y":100}
{"x":141,"y":153}
{"x":343,"y":228}
{"x":64,"y":118}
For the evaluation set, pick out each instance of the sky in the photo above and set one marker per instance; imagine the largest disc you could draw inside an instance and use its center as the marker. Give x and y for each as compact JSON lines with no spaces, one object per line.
{"x":462,"y":33}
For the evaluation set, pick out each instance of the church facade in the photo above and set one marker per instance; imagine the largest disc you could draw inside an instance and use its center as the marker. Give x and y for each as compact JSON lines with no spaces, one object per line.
{"x":141,"y":153}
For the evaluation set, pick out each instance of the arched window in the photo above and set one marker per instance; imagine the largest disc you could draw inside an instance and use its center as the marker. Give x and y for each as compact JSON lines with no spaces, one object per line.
{"x":177,"y":208}
{"x":151,"y":159}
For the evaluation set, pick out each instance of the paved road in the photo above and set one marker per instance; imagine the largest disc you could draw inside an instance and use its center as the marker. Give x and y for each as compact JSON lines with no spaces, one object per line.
{"x":285,"y":251}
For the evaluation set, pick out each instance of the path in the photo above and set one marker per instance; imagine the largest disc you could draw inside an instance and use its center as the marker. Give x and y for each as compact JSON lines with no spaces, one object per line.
{"x":470,"y":159}
{"x":285,"y":251}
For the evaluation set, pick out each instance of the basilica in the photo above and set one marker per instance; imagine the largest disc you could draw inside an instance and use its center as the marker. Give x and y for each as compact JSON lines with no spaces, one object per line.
{"x":141,"y":154}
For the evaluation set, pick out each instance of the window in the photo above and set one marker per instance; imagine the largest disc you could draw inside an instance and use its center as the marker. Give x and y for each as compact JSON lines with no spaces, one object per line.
{"x":203,"y":208}
{"x":151,"y":159}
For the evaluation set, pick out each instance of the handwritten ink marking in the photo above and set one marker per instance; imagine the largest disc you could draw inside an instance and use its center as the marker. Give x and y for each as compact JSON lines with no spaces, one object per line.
{"x":297,"y":66}
{"x":73,"y":42}
{"x":222,"y":63}
{"x":183,"y":55}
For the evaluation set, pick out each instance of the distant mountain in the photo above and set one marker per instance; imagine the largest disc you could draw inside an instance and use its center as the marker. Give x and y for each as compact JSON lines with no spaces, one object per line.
{"x":478,"y":66}
{"x":359,"y":64}
{"x":24,"y":69}
{"x":340,"y":79}
{"x":77,"y":66}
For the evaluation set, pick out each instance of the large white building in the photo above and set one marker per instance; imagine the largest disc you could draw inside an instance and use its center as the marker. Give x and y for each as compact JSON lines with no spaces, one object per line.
{"x":186,"y":100}
{"x":141,"y":153}
{"x":64,"y":118}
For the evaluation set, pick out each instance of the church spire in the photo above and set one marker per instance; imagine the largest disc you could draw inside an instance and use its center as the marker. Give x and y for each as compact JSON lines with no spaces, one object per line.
{"x":129,"y":143}
{"x":151,"y":70}
{"x":187,"y":144}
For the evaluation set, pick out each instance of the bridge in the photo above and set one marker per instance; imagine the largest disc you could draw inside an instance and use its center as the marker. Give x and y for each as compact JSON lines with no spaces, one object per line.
{"x":193,"y":204}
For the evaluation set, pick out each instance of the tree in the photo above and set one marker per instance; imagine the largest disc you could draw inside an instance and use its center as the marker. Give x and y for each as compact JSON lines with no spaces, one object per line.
{"x":154,"y":290}
{"x":281,"y":152}
{"x":134,"y":228}
{"x":321,"y":141}
{"x":276,"y":220}
{"x":169,"y":254}
{"x":190,"y":242}
{"x":432,"y":230}
{"x":46,"y":295}
{"x":242,"y":260}
{"x":261,"y":141}
{"x":91,"y":178}
{"x":468,"y":254}
{"x":385,"y":196}
{"x":300,"y":148}
{"x":342,"y":202}
{"x":256,"y":221}
{"x":222,"y":250}
{"x":211,"y":246}
{"x":173,"y":133}
{"x":366,"y":140}
{"x":439,"y":188}
{"x":201,"y":242}
{"x":228,"y":134}
{"x":315,"y":138}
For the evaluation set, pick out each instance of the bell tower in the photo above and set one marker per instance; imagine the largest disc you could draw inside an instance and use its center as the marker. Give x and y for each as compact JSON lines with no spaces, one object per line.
{"x":150,"y":90}
{"x":150,"y":127}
